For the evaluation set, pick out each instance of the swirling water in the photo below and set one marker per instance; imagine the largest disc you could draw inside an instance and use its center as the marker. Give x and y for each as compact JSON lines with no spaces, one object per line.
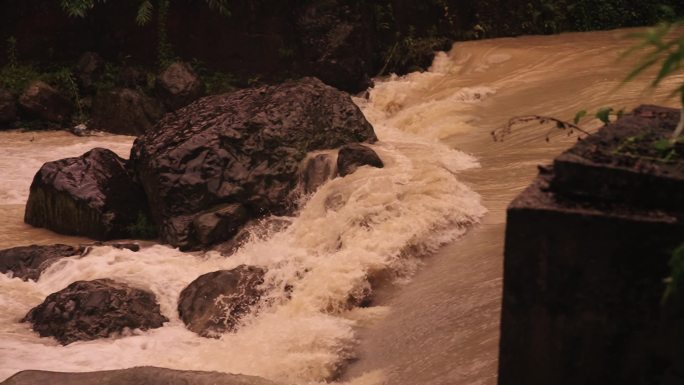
{"x":444,"y":189}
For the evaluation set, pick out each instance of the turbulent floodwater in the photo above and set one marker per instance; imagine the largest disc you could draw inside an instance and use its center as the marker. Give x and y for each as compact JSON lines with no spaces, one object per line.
{"x":444,"y":188}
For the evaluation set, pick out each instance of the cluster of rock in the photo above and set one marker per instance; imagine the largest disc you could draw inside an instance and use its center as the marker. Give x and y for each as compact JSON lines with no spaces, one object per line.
{"x":212,"y":304}
{"x":28,"y":262}
{"x":120,"y":107}
{"x":206,"y":169}
{"x":197,"y":177}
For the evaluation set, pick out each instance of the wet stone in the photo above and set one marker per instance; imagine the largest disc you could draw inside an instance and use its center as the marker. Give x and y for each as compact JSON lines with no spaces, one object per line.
{"x":88,"y":310}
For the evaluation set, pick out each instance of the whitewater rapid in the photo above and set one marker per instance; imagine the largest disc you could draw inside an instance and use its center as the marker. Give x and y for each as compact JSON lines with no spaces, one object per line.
{"x":439,"y":324}
{"x":368,"y":228}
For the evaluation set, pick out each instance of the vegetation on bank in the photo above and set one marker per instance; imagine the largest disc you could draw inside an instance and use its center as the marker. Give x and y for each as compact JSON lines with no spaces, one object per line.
{"x":399,"y":36}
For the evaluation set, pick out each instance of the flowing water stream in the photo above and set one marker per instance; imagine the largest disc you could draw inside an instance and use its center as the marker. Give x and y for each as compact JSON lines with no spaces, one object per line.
{"x":427,"y":230}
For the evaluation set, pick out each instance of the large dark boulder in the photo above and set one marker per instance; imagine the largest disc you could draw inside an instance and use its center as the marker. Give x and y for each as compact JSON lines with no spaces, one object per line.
{"x":147,"y":375}
{"x":178,"y":85}
{"x":89,"y":70}
{"x":215,"y":302}
{"x":336,"y":43}
{"x":243,"y":147}
{"x":8,"y":107}
{"x":28,"y":262}
{"x":124,"y":111}
{"x":352,"y":156}
{"x":42,"y":101}
{"x":93,"y":195}
{"x":88,"y":310}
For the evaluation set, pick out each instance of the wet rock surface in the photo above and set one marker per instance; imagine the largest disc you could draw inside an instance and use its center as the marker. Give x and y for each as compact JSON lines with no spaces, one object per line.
{"x":28,"y":262}
{"x":147,"y":375}
{"x":214,"y":303}
{"x":178,"y":85}
{"x":88,"y":310}
{"x":42,"y":101}
{"x":243,"y":147}
{"x":124,"y":111}
{"x":353,"y":156}
{"x":92,"y":195}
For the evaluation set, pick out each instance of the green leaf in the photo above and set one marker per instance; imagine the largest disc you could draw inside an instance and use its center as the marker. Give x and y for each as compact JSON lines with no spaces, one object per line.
{"x":663,"y":145}
{"x":675,"y":283}
{"x":603,"y":114}
{"x":579,"y":115}
{"x":77,"y":8}
{"x":671,"y":64}
{"x":651,"y":60}
{"x":144,"y":12}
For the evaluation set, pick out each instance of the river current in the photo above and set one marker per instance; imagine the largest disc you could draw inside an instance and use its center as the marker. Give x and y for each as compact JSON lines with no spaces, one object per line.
{"x":426,"y":230}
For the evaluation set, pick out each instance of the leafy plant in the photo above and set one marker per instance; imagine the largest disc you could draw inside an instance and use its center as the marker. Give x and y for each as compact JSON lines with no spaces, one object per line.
{"x":15,"y":76}
{"x":63,"y":78}
{"x":12,"y":60}
{"x":667,"y":50}
{"x":79,"y":8}
{"x":675,"y":283}
{"x":165,"y":56}
{"x":143,"y":228}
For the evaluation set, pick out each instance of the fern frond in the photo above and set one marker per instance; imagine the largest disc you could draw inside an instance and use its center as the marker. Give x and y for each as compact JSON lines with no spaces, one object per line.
{"x":77,"y":8}
{"x":144,"y":14}
{"x":221,"y":6}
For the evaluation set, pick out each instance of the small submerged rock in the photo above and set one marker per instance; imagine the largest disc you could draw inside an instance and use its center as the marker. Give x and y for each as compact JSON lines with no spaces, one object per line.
{"x":88,"y":310}
{"x":355,"y":155}
{"x":215,"y":302}
{"x":28,"y":262}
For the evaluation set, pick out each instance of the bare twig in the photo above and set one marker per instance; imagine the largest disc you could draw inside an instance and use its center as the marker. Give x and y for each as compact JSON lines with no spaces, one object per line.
{"x":499,"y":134}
